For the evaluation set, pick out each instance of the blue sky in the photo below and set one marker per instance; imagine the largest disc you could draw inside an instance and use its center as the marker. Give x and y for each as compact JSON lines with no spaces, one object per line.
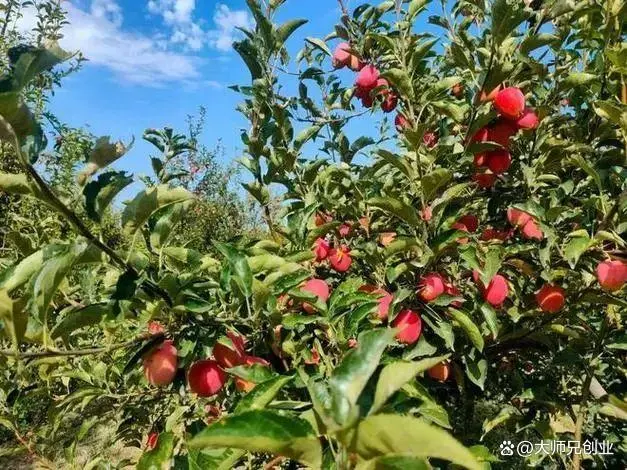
{"x":153,"y":62}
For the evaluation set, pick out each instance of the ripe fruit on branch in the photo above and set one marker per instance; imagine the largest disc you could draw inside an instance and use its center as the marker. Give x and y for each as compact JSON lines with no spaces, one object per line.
{"x":532,"y":231}
{"x":430,"y":287}
{"x":612,"y":275}
{"x":467,"y":223}
{"x":322,"y":218}
{"x":528,"y":120}
{"x":458,"y":90}
{"x":409,"y":326}
{"x":206,"y":378}
{"x":484,"y":180}
{"x":482,"y":135}
{"x":160,"y":364}
{"x":495,"y":234}
{"x":314,"y":359}
{"x":510,"y":102}
{"x":486,"y":97}
{"x":317,"y":287}
{"x":229,"y":351}
{"x":497,"y":290}
{"x":430,"y":139}
{"x":502,"y":131}
{"x":517,"y":217}
{"x":345,"y":229}
{"x":401,"y":123}
{"x":440,"y":372}
{"x":151,"y":440}
{"x":426,"y":214}
{"x":498,"y":161}
{"x":244,"y":385}
{"x":453,"y":291}
{"x":321,"y":249}
{"x":340,"y":259}
{"x":367,"y":78}
{"x":551,"y":298}
{"x":343,"y":57}
{"x":385,"y":299}
{"x":386,"y":238}
{"x":155,"y":328}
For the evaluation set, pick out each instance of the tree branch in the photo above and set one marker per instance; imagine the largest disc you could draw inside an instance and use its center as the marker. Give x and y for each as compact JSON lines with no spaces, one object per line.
{"x":78,"y":352}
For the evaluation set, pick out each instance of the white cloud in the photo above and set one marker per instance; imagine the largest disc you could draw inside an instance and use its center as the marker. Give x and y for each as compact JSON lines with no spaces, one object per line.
{"x":227,"y":21}
{"x":186,"y":31}
{"x":135,"y":58}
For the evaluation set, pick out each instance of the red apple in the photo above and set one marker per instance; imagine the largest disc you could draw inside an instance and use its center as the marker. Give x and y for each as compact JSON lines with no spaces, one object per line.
{"x":480,"y":160}
{"x":401,"y":123}
{"x":385,"y":238}
{"x":497,"y":291}
{"x":486,"y":97}
{"x":495,"y":234}
{"x":321,"y":249}
{"x":229,"y":352}
{"x":155,"y":328}
{"x":484,"y":180}
{"x":510,"y":102}
{"x":426,"y":214}
{"x":389,"y":103}
{"x":340,"y":259}
{"x":499,"y":161}
{"x":322,"y":218}
{"x":612,"y":274}
{"x":367,"y":78}
{"x":315,"y":358}
{"x":467,"y":223}
{"x":409,"y":326}
{"x":160,"y":364}
{"x":385,"y":299}
{"x":206,"y":378}
{"x":528,"y":120}
{"x":453,"y":291}
{"x":440,"y":372}
{"x":431,"y":287}
{"x":341,"y":55}
{"x":345,"y":229}
{"x":151,"y":440}
{"x":532,"y":231}
{"x":502,"y":132}
{"x":551,"y":298}
{"x":430,"y":139}
{"x":482,"y":135}
{"x":458,"y":90}
{"x":317,"y":287}
{"x":517,"y":217}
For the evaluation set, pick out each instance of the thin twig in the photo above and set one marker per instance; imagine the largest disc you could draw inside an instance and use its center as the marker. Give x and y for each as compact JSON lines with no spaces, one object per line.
{"x":78,"y":352}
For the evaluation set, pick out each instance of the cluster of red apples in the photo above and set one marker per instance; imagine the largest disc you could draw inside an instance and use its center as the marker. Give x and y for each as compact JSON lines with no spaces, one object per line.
{"x":369,"y":85}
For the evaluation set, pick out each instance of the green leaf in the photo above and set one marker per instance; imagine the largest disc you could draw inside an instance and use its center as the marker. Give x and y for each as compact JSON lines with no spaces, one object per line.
{"x":172,"y":216}
{"x":146,"y":203}
{"x":80,"y":318}
{"x":158,"y":458}
{"x":46,"y":282}
{"x":394,"y":462}
{"x":103,"y":154}
{"x":350,"y":377}
{"x":493,"y":262}
{"x":400,"y":80}
{"x":532,"y":43}
{"x":305,"y":135}
{"x":577,"y":79}
{"x":396,"y":208}
{"x":319,"y":44}
{"x":395,"y":375}
{"x":250,"y":56}
{"x":239,"y":266}
{"x":17,"y":275}
{"x":476,"y":371}
{"x":469,"y":327}
{"x":27,"y":62}
{"x":435,"y":180}
{"x":382,"y":435}
{"x":455,"y":111}
{"x":260,"y":396}
{"x":489,"y":314}
{"x":14,"y":318}
{"x":263,"y":431}
{"x":415,"y":7}
{"x":286,"y":29}
{"x":101,"y":192}
{"x":579,"y":241}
